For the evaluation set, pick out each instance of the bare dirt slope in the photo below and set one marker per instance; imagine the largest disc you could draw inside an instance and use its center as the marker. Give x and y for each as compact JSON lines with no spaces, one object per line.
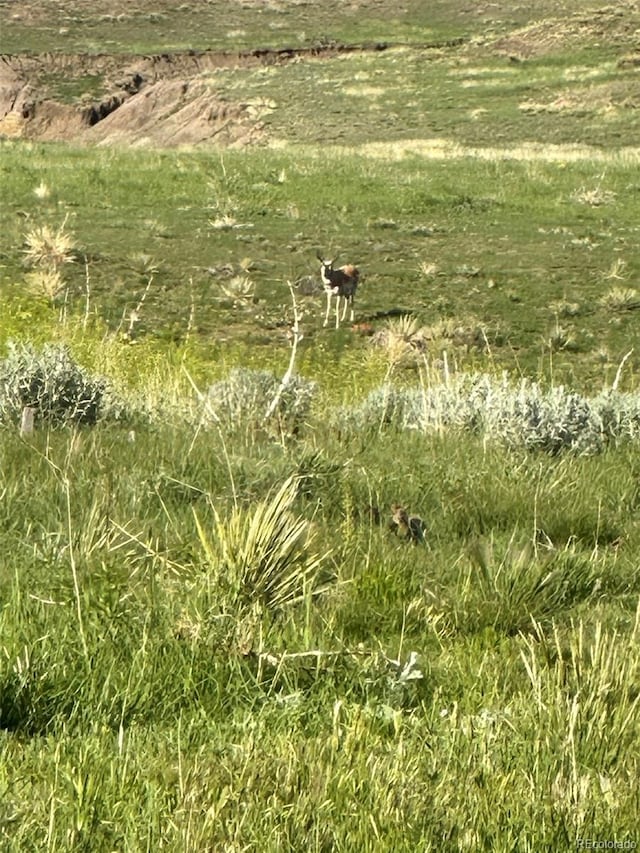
{"x":160,"y":100}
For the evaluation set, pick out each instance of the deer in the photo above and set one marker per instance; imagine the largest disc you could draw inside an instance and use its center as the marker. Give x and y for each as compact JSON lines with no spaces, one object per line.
{"x":341,"y":283}
{"x":411,"y":528}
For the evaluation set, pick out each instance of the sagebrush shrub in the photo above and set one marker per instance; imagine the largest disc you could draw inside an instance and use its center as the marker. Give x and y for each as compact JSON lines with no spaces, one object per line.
{"x":525,"y":415}
{"x":52,"y":383}
{"x":242,"y":400}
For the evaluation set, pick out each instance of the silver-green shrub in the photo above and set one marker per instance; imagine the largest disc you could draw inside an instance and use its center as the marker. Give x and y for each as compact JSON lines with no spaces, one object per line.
{"x":619,"y":413}
{"x":53,"y":384}
{"x":243,"y":399}
{"x":550,"y":420}
{"x":523,"y":415}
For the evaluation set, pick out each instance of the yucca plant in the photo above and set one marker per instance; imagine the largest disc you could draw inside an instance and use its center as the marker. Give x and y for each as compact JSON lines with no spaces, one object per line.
{"x":48,"y":248}
{"x":144,"y":265}
{"x":47,"y":251}
{"x":45,"y":282}
{"x":400,"y":337}
{"x":240,"y":289}
{"x":42,"y":191}
{"x":264,"y":556}
{"x":620,"y":299}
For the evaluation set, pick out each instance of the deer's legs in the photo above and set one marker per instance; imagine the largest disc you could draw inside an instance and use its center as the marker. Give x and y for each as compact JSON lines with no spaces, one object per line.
{"x":348,"y":302}
{"x":326,"y":316}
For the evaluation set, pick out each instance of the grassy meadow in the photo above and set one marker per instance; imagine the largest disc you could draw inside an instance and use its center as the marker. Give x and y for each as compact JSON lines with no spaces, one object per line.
{"x":213,"y":634}
{"x":149,"y":26}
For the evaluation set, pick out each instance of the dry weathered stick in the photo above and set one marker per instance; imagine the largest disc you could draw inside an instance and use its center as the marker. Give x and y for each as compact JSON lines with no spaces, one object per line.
{"x":297,"y":336}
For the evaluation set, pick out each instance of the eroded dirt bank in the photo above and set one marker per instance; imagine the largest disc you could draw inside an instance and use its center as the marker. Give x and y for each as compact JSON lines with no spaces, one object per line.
{"x":162,"y":100}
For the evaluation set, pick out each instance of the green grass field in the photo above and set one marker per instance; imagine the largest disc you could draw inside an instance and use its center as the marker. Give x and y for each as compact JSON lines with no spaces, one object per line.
{"x":213,"y":637}
{"x":165,"y":26}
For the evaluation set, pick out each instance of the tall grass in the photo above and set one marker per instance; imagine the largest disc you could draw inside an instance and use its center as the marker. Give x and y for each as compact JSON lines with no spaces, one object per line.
{"x":167,"y":677}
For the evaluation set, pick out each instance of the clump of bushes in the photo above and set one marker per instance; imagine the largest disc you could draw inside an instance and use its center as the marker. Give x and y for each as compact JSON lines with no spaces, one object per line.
{"x":58,"y":389}
{"x":526,"y":415}
{"x":244,"y":399}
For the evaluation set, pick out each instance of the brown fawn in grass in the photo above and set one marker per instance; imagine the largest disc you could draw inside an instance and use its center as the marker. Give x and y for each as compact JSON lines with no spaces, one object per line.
{"x":411,"y":528}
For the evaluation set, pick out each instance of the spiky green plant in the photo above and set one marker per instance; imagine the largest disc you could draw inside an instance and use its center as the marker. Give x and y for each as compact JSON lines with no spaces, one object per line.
{"x":264,"y":556}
